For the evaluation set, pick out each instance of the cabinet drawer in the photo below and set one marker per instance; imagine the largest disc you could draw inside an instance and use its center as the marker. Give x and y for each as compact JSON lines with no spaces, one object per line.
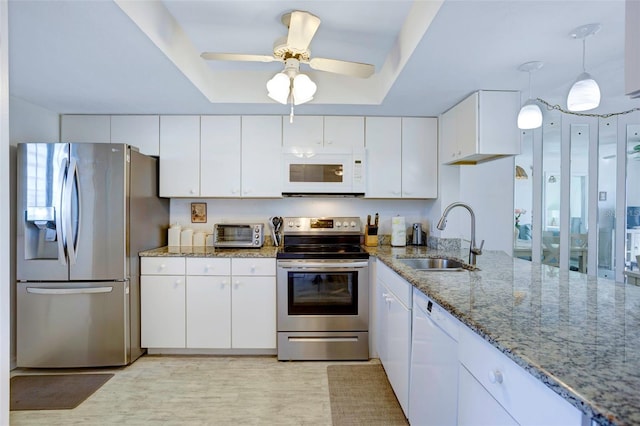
{"x":208,"y":266}
{"x":395,"y":283}
{"x":253,"y":266}
{"x":162,"y":266}
{"x":526,"y":398}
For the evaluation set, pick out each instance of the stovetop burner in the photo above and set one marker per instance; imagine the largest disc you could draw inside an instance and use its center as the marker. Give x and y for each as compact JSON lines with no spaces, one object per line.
{"x":322,"y":238}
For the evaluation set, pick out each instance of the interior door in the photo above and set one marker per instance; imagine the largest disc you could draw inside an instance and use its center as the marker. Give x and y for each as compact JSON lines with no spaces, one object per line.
{"x":100,"y":190}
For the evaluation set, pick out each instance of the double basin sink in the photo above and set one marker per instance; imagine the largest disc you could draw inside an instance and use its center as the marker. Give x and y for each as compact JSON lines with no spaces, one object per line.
{"x":433,"y":264}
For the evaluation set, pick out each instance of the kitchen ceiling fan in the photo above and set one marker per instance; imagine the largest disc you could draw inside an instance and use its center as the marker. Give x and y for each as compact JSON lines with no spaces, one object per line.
{"x":293,"y":49}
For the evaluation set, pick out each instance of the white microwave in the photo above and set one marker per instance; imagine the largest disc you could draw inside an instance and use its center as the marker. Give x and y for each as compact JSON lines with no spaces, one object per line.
{"x":324,"y":173}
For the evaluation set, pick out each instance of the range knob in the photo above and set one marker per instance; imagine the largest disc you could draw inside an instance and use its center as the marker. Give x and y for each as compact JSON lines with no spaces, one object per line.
{"x":353,"y":224}
{"x":338,"y":224}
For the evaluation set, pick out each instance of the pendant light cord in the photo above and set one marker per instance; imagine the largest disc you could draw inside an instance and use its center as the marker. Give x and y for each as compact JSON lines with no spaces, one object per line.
{"x":584,"y":54}
{"x":584,"y":114}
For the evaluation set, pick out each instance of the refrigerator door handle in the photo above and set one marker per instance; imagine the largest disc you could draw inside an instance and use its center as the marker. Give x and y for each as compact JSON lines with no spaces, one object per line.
{"x":60,"y":235}
{"x":90,"y":290}
{"x":71,"y":237}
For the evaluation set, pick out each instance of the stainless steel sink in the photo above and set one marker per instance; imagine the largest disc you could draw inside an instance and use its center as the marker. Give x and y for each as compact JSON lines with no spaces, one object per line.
{"x":433,"y":264}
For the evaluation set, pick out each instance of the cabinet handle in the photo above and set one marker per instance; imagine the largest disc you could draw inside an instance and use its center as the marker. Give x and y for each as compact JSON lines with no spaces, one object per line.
{"x":192,"y":191}
{"x":495,"y":376}
{"x":177,"y":283}
{"x":162,"y":266}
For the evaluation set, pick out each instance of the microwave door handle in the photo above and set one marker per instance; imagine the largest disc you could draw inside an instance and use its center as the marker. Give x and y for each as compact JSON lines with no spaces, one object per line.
{"x":71,"y":235}
{"x":58,"y":215}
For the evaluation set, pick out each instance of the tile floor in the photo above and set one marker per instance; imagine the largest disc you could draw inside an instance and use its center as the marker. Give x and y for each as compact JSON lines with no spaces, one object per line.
{"x":200,"y":390}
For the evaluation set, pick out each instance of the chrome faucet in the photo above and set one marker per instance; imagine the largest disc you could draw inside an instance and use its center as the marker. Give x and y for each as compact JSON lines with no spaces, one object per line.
{"x":473,"y":250}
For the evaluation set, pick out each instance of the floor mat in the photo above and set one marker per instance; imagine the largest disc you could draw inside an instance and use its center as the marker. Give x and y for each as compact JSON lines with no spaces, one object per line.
{"x":53,"y":392}
{"x":362,"y":395}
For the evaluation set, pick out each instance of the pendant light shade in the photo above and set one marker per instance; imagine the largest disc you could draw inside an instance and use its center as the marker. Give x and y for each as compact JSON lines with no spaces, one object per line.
{"x":584,"y":93}
{"x":303,"y":89}
{"x":530,"y":115}
{"x":278,"y":88}
{"x":520,"y":173}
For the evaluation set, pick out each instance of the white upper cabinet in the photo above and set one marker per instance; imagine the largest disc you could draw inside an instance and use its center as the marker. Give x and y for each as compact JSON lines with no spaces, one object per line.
{"x":220,"y":156}
{"x":480,"y":128}
{"x":344,"y":132}
{"x":419,"y":157}
{"x":310,"y":131}
{"x":261,"y":156}
{"x":180,"y":156}
{"x":141,"y":131}
{"x":85,"y":128}
{"x":384,"y":157}
{"x":632,"y":49}
{"x":402,"y":157}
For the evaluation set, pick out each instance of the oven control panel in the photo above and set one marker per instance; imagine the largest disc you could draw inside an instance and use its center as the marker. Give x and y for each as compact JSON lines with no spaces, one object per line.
{"x":322,"y":225}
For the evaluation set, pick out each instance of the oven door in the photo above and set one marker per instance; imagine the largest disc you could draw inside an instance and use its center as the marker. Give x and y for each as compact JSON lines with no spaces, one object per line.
{"x":323,"y":295}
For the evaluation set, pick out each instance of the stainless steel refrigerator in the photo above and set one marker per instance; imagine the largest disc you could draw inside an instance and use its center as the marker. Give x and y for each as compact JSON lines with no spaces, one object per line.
{"x":84,"y":212}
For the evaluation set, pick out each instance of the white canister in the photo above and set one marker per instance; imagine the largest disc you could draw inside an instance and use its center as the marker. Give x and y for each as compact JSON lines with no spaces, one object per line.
{"x":186,"y":237}
{"x":174,"y":235}
{"x":398,"y":232}
{"x":199,"y":239}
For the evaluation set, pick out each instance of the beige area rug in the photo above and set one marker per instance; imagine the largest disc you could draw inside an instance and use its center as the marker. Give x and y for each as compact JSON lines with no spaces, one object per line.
{"x":362,"y":395}
{"x":53,"y":392}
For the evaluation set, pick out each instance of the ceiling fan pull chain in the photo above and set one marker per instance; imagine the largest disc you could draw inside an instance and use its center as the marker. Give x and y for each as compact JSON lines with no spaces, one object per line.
{"x":291,"y":114}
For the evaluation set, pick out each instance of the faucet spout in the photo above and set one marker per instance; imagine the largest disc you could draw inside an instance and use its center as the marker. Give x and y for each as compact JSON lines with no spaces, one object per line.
{"x":442,"y":223}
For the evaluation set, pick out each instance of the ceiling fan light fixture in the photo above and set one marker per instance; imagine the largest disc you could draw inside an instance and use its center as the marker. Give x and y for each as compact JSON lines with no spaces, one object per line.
{"x":278,"y":88}
{"x":584,"y":94}
{"x":530,"y":116}
{"x":303,"y":89}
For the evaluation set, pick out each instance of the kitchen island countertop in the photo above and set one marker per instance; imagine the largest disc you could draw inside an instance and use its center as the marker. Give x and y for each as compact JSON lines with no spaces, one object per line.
{"x":578,"y":334}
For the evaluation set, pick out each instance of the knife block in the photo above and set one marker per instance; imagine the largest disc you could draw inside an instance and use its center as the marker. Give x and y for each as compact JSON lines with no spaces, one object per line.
{"x":371,"y":236}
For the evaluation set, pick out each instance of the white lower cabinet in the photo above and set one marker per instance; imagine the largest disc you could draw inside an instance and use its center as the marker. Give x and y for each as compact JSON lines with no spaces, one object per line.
{"x":393,"y":301}
{"x":498,"y":382}
{"x":217,"y":303}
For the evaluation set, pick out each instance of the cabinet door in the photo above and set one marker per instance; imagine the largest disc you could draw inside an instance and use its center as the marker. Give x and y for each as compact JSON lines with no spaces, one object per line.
{"x":179,"y":156}
{"x":85,"y":128}
{"x":253,"y":312}
{"x":476,"y":407}
{"x":384,"y":157}
{"x":419,"y":158}
{"x":220,"y":156}
{"x":162,"y":311}
{"x":306,"y":131}
{"x":262,"y":156}
{"x":466,"y":125}
{"x":382,"y":318}
{"x":208,"y":312}
{"x":142,"y":131}
{"x":344,"y":132}
{"x":497,"y":113}
{"x":398,"y":350}
{"x":447,"y":144}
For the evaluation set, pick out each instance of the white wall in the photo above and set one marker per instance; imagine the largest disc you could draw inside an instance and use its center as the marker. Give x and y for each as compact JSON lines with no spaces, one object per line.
{"x":5,"y":208}
{"x":229,"y":210}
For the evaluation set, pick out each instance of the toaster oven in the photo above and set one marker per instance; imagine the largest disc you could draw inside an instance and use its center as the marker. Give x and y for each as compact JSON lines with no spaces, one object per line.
{"x":238,"y":235}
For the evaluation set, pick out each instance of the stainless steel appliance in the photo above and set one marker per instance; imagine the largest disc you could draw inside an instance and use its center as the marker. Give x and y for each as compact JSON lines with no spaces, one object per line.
{"x":323,"y":290}
{"x":84,"y":212}
{"x":239,"y":235}
{"x":323,"y":172}
{"x":419,"y":236}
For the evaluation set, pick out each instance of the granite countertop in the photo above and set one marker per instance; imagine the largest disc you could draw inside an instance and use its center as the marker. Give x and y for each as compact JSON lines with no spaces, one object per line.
{"x":580,"y":335}
{"x":171,"y":251}
{"x":634,"y":274}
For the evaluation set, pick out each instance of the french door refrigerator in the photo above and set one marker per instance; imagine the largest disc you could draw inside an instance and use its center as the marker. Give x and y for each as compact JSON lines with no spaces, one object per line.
{"x":84,"y":212}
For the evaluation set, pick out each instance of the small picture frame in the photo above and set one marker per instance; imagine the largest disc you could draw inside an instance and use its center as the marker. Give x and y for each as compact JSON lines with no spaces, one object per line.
{"x":198,"y":212}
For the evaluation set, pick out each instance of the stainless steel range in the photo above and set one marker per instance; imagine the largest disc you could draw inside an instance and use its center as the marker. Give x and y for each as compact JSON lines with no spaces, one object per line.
{"x":323,"y":290}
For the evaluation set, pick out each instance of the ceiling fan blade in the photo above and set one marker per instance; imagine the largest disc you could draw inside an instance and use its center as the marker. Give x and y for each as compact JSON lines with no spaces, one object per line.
{"x":237,"y":57}
{"x":302,"y":28}
{"x":353,"y":69}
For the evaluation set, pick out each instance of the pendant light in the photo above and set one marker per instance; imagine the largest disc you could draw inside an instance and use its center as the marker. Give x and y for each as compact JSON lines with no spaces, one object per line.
{"x":585,"y":93}
{"x":530,"y":115}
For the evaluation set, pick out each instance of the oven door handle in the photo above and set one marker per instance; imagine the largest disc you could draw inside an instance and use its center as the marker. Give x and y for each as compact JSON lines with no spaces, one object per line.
{"x":323,"y":265}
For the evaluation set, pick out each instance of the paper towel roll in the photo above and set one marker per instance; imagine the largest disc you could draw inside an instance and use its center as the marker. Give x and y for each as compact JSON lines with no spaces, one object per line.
{"x":199,"y":239}
{"x":398,"y":232}
{"x":174,"y":235}
{"x":186,"y":237}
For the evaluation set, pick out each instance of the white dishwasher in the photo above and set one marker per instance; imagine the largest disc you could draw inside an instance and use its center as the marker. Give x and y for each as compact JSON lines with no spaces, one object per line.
{"x":433,"y":391}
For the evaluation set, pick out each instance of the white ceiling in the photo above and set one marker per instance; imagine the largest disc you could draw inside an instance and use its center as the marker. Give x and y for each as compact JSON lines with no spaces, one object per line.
{"x":91,"y":57}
